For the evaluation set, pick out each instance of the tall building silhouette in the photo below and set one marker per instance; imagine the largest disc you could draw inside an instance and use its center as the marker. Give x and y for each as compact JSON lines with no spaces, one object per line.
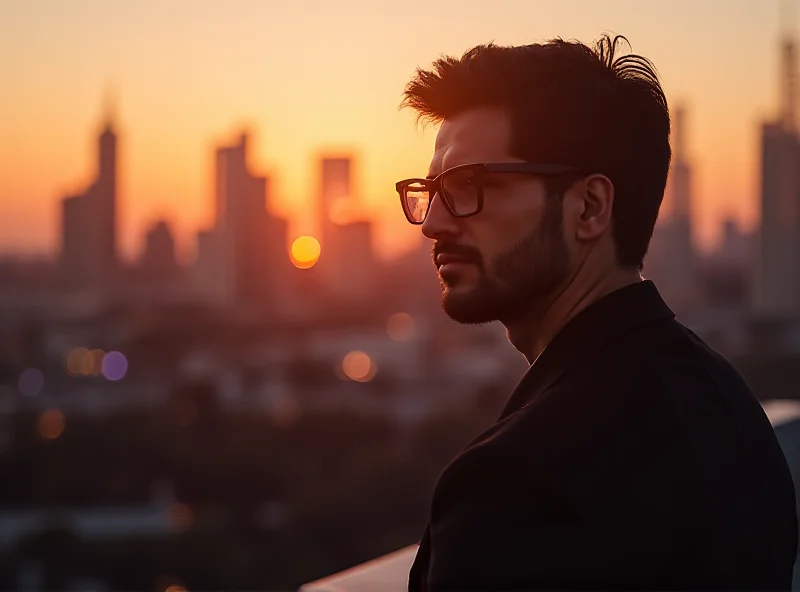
{"x":105,"y":196}
{"x":355,"y":269}
{"x":89,"y":224}
{"x":777,"y":278}
{"x":679,"y":192}
{"x":347,"y":265}
{"x":237,"y":260}
{"x":335,"y":186}
{"x":159,"y":260}
{"x":76,"y":243}
{"x":672,"y":258}
{"x":208,"y":268}
{"x":334,"y":193}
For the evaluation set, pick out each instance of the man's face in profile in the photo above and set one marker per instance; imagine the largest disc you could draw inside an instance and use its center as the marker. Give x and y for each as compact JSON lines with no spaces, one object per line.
{"x":513,"y":253}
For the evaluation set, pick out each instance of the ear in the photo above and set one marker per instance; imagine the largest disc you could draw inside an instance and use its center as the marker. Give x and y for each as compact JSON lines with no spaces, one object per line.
{"x":596,"y":201}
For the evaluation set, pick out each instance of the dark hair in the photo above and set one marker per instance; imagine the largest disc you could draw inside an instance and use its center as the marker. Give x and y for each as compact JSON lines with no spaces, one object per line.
{"x":589,"y":107}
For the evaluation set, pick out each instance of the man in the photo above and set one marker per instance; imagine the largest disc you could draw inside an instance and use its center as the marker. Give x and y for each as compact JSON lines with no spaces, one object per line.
{"x":630,"y":455}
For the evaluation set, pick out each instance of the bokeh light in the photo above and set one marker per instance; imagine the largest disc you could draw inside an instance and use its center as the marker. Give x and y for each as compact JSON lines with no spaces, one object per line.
{"x":400,"y":326}
{"x":51,"y":424}
{"x":81,"y":361}
{"x":87,"y":363}
{"x":168,"y":583}
{"x":74,"y":360}
{"x":358,"y":366}
{"x":31,"y":382}
{"x":97,"y":361}
{"x":115,"y":365}
{"x":305,"y":252}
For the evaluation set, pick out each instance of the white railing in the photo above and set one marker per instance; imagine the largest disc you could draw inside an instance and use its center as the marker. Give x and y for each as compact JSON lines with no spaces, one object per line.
{"x":388,"y":573}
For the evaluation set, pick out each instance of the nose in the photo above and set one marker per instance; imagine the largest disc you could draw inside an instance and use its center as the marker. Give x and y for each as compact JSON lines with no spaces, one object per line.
{"x":439,"y":222}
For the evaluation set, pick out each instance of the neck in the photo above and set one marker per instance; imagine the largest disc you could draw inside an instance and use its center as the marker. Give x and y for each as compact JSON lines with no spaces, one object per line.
{"x":535,"y":328}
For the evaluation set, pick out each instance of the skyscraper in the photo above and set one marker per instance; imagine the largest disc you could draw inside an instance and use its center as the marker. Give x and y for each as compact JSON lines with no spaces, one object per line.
{"x":346,"y":262}
{"x":335,"y":187}
{"x":355,"y":267}
{"x":334,"y":194}
{"x":681,"y":258}
{"x":777,"y":279}
{"x":209,"y":268}
{"x":242,"y":226}
{"x":89,"y":224}
{"x":237,"y":259}
{"x":158,"y":259}
{"x":105,"y":197}
{"x":76,"y":244}
{"x":671,"y":259}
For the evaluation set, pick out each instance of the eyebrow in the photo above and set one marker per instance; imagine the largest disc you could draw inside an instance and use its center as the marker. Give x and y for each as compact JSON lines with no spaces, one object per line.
{"x":431,"y":174}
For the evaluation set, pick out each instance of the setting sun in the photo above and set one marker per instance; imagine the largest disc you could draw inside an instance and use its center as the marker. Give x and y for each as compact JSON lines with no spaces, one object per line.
{"x":305,"y":252}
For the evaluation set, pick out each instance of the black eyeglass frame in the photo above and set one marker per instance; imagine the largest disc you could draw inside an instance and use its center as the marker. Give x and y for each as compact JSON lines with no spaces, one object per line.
{"x":434,"y":184}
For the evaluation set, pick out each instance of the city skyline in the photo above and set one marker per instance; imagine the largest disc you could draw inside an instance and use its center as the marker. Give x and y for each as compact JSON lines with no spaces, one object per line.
{"x":170,"y":113}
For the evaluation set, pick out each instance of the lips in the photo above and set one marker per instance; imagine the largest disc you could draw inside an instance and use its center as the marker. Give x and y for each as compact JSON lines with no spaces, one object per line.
{"x":445,"y":258}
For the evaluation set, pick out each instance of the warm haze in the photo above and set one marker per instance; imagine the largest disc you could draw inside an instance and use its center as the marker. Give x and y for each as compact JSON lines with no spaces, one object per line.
{"x":316,"y":76}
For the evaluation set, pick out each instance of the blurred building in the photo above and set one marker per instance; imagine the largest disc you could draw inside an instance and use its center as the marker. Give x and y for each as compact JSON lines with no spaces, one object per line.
{"x":777,"y":280}
{"x":158,"y":277}
{"x":334,"y":193}
{"x":208,"y":268}
{"x":89,"y":224}
{"x":279,"y":264}
{"x":411,"y":283}
{"x":724,"y":276}
{"x":76,"y":242}
{"x":736,"y":246}
{"x":672,"y":259}
{"x":356,"y":263}
{"x":159,"y":260}
{"x":347,"y":262}
{"x":237,"y":259}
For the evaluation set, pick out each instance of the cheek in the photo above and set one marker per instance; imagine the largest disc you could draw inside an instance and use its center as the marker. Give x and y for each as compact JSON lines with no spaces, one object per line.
{"x":499,"y":231}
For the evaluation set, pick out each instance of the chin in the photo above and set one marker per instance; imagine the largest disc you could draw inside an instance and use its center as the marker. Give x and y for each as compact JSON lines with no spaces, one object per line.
{"x":466,"y":307}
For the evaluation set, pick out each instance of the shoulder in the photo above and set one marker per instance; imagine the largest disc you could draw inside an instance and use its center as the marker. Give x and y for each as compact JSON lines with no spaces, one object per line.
{"x":655,"y":405}
{"x":578,"y":435}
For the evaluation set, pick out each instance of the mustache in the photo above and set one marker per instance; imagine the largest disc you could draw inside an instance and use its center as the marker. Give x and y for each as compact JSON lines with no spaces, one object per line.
{"x":468,"y":253}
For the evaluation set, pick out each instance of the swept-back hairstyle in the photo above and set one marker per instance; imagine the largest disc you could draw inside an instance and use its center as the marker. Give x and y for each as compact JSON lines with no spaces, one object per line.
{"x":597,"y":108}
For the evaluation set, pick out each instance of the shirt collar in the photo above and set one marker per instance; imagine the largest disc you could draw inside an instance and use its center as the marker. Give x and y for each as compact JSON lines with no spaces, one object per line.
{"x":605,"y":319}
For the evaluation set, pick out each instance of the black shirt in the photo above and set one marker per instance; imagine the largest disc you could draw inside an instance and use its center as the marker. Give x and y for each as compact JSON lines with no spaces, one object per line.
{"x":630,"y":455}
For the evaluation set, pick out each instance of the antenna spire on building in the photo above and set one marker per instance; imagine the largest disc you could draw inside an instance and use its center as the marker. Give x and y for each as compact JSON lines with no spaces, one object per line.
{"x":788,"y":18}
{"x":788,"y":74}
{"x":678,"y":131}
{"x":109,"y":107}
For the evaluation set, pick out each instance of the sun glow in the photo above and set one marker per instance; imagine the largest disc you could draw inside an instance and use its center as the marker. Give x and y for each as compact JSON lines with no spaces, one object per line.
{"x":305,"y":252}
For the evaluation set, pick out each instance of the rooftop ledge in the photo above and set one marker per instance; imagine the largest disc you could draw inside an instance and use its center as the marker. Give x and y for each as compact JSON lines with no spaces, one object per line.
{"x":388,"y":573}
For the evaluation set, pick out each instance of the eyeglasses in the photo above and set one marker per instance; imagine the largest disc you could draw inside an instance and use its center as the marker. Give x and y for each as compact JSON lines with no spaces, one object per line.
{"x":461,"y":187}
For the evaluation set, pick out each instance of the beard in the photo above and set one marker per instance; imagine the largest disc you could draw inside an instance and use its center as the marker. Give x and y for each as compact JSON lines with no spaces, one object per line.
{"x":527,"y":273}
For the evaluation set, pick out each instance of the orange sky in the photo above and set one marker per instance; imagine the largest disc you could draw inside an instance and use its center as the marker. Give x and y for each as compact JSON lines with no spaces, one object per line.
{"x":317,"y":75}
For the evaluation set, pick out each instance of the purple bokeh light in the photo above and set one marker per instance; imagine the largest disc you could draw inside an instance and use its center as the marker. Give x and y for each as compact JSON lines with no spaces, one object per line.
{"x":31,"y":382}
{"x":115,"y":365}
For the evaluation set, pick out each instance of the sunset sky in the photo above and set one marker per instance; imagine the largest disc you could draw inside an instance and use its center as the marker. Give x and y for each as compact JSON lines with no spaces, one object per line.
{"x":313,"y":76}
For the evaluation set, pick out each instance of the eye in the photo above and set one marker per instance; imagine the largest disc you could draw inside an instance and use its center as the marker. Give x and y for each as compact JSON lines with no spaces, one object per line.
{"x":461,"y":180}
